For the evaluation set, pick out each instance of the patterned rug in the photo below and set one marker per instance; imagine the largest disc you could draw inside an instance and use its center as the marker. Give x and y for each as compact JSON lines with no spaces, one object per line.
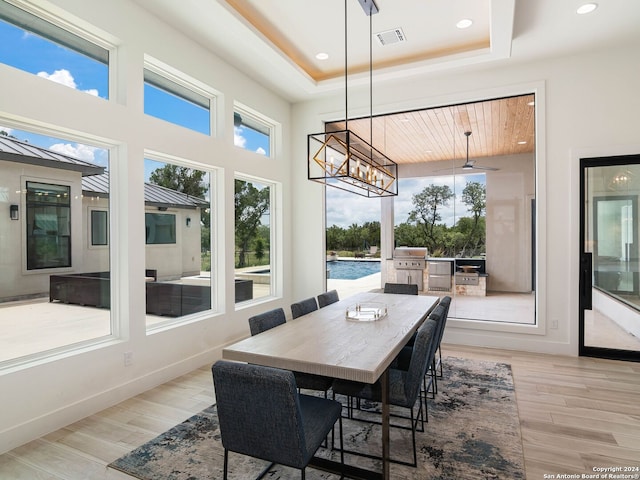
{"x":473,"y":433}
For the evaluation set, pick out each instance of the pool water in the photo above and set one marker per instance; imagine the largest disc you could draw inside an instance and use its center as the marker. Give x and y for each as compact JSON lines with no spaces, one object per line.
{"x":351,"y":269}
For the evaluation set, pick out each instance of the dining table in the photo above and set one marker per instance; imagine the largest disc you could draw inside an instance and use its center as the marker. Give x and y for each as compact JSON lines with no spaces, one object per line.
{"x":356,"y":338}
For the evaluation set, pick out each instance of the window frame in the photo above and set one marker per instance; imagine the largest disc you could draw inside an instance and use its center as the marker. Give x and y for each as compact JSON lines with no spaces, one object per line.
{"x":275,"y":238}
{"x":173,"y":82}
{"x":30,"y":206}
{"x":91,"y":243}
{"x":89,"y":42}
{"x":172,"y":226}
{"x":247,"y":117}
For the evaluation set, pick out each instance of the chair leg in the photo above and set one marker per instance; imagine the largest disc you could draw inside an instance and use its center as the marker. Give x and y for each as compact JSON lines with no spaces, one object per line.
{"x":341,"y":449}
{"x":413,"y":438}
{"x":226,"y":463}
{"x":302,"y":473}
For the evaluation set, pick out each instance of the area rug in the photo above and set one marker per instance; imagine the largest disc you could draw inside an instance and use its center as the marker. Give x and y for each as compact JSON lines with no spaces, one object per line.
{"x":473,"y":433}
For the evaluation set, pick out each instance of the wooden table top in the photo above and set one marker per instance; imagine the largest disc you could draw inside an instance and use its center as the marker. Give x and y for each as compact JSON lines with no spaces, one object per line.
{"x":324,"y":342}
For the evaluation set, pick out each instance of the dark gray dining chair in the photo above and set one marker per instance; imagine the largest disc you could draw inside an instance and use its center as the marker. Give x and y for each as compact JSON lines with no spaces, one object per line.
{"x":404,"y":385}
{"x":262,"y":415}
{"x":327,"y":298}
{"x":446,"y":303}
{"x":303,"y":307}
{"x":402,"y":288}
{"x":272,"y":318}
{"x":267,"y":320}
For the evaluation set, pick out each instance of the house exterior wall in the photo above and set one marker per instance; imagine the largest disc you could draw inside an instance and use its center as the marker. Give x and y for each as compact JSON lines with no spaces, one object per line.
{"x":172,"y":261}
{"x":16,"y":282}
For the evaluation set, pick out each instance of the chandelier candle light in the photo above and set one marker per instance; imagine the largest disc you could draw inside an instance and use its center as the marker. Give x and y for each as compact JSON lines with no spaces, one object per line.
{"x":343,"y":159}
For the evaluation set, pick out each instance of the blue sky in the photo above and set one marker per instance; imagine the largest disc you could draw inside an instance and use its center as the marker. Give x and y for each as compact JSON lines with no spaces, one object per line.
{"x":43,"y":58}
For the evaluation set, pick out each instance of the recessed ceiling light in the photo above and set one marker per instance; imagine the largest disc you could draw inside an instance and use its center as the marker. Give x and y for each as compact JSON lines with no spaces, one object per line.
{"x":531,"y":103}
{"x":586,"y":8}
{"x":322,"y":56}
{"x":464,"y":23}
{"x":522,"y":142}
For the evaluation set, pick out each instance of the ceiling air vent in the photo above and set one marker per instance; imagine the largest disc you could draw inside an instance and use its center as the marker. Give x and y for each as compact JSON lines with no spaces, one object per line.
{"x":390,"y":37}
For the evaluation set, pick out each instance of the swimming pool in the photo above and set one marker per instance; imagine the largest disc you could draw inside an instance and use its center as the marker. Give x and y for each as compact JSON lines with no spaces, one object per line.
{"x":351,"y":269}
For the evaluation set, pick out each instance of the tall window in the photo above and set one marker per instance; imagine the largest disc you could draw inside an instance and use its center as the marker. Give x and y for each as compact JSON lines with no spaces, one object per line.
{"x":55,"y":246}
{"x":178,"y":246}
{"x":251,"y":132}
{"x":177,"y":102}
{"x":99,"y":227}
{"x":48,"y":226}
{"x":37,"y":46}
{"x":253,"y":275}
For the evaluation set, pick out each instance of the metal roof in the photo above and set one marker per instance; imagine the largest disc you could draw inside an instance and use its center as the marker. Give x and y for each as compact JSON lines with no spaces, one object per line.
{"x":95,"y":180}
{"x":154,"y":195}
{"x":14,"y":150}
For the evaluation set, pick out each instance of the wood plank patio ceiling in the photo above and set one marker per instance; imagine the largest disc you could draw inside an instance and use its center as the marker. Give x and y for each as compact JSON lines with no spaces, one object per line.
{"x":499,"y":127}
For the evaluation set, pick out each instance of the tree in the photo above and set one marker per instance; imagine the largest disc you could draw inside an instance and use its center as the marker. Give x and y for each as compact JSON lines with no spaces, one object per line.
{"x":425,"y":213}
{"x":180,"y":179}
{"x":474,"y":196}
{"x":251,"y":204}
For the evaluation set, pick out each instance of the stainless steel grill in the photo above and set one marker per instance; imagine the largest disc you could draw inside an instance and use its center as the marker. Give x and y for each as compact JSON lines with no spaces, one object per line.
{"x":409,"y":263}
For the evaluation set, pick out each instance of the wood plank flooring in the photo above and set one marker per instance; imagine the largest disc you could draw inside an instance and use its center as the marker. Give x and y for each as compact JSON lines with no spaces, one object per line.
{"x":575,"y":414}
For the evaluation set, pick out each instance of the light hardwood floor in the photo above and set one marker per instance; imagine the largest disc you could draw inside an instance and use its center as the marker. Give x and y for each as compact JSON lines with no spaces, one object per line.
{"x":575,"y":414}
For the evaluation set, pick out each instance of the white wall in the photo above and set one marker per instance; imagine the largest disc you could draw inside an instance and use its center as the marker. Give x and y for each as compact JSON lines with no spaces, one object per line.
{"x":43,"y":396}
{"x":584,"y":103}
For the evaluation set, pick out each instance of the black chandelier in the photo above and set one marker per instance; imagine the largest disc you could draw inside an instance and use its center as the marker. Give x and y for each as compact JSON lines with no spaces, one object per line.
{"x":343,"y":159}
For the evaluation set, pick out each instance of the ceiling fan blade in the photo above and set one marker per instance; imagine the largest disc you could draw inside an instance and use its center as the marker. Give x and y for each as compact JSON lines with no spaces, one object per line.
{"x":477,"y":167}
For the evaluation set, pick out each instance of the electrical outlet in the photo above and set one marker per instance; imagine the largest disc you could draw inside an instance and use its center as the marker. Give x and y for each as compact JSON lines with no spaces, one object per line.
{"x":554,"y":323}
{"x":128,"y":359}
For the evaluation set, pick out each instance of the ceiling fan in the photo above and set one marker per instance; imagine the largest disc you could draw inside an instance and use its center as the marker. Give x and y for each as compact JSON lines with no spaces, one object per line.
{"x":470,"y":164}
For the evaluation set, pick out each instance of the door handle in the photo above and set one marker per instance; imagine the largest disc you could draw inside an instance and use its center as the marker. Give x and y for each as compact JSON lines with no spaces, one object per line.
{"x":586,"y":280}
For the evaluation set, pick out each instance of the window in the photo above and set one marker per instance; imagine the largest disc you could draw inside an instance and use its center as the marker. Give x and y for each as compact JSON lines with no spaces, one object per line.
{"x":253,"y":262}
{"x":50,"y":269}
{"x":178,"y":236}
{"x":34,"y":45}
{"x":99,"y":227}
{"x":160,"y":228}
{"x":178,"y":103}
{"x":48,"y":226}
{"x":251,"y":132}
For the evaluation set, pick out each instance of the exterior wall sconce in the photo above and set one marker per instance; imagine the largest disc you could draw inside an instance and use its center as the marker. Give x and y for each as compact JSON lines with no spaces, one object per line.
{"x":13,"y":212}
{"x":188,"y":222}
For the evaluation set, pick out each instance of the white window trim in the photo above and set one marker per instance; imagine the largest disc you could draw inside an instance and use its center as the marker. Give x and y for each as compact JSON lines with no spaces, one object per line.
{"x":256,"y":117}
{"x":183,"y":80}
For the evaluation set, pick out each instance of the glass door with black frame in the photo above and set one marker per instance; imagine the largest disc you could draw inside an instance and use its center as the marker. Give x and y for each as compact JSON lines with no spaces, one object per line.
{"x":610,"y":257}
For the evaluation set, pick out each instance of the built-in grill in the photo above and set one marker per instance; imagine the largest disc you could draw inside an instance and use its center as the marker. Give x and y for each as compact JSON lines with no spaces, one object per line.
{"x":409,"y":263}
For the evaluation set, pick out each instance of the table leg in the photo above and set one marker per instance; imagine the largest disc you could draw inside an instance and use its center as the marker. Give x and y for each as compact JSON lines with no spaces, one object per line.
{"x":384,"y":383}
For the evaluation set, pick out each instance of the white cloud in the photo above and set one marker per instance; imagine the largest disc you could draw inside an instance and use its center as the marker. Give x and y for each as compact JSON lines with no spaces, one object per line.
{"x":345,"y":208}
{"x":261,"y":151}
{"x":238,"y":139}
{"x":79,"y":151}
{"x":6,"y":129}
{"x":64,"y":77}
